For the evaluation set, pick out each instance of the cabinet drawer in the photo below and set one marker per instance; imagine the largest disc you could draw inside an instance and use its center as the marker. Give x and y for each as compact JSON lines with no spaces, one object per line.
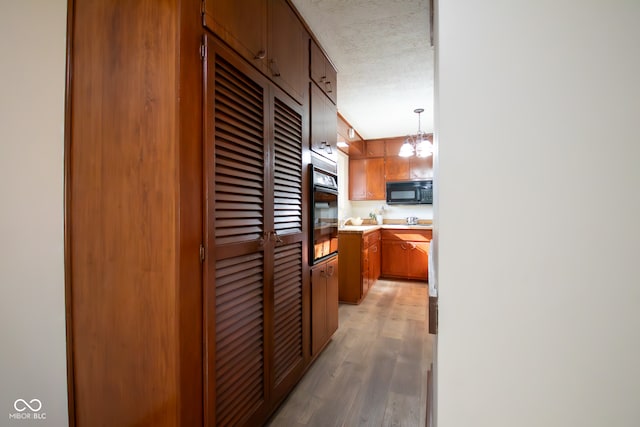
{"x":407,"y":235}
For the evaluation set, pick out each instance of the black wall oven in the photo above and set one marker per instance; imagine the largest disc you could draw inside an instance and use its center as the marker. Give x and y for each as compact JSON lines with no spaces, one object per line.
{"x":324,"y":215}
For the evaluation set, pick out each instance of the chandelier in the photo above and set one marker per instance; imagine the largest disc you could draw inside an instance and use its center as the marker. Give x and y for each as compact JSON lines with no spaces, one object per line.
{"x":417,"y":144}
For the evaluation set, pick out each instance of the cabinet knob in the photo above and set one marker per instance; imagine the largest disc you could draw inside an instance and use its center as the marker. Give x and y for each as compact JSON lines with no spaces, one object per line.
{"x":261,"y":55}
{"x":327,"y":87}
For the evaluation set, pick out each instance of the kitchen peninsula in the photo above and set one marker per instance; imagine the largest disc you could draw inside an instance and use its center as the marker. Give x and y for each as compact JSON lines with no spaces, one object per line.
{"x":369,"y":252}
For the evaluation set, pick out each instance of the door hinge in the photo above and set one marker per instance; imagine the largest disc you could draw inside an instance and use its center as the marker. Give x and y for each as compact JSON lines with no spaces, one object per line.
{"x":203,"y":51}
{"x":201,"y":253}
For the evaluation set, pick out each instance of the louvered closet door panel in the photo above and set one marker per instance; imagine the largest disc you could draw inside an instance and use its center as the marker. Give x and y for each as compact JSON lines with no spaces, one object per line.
{"x":288,"y":325}
{"x":238,"y":260}
{"x":239,"y":156}
{"x":240,"y":363}
{"x":288,"y":169}
{"x":288,"y":346}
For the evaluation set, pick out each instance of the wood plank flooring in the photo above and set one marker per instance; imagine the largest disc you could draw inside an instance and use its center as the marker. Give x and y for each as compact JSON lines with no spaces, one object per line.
{"x":374,"y":371}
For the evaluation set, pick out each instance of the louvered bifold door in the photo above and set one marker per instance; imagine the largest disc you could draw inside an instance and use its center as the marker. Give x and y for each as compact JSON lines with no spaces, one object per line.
{"x":288,"y":355}
{"x":236,"y":227}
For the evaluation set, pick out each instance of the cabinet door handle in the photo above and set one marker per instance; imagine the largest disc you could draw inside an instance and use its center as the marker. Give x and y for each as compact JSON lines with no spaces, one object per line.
{"x":275,"y":71}
{"x":374,"y":249}
{"x":276,"y":238}
{"x":261,"y":54}
{"x":403,"y":246}
{"x":331,"y":270}
{"x":328,"y":89}
{"x":263,"y":239}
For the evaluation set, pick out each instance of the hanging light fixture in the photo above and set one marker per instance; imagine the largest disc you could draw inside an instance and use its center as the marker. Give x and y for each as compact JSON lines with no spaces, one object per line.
{"x":417,"y":144}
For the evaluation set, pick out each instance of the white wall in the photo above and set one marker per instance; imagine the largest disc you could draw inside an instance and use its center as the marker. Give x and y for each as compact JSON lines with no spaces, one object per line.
{"x":32,"y":313}
{"x":539,"y":286}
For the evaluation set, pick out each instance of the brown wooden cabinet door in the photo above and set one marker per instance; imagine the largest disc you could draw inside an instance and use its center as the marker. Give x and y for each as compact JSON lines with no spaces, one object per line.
{"x":366,"y":179}
{"x":376,"y":188}
{"x":375,"y":148}
{"x":394,"y":258}
{"x":318,"y":307}
{"x":358,"y":179}
{"x":242,"y":25}
{"x":396,"y":168}
{"x":239,"y":269}
{"x":322,"y":72}
{"x":288,"y":236}
{"x":317,"y":63}
{"x":324,"y":123}
{"x":418,"y":255}
{"x":324,"y":303}
{"x":254,"y":278}
{"x":421,"y":167}
{"x":374,"y":261}
{"x":288,"y":54}
{"x":332,"y":297}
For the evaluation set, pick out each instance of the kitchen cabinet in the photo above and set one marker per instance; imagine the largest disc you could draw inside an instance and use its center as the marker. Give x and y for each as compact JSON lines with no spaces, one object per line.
{"x":405,"y":168}
{"x":322,"y":72}
{"x":361,"y":263}
{"x":324,"y":122}
{"x":366,"y":179}
{"x":405,"y":254}
{"x":408,"y":168}
{"x":371,"y":148}
{"x":324,"y":303}
{"x":269,"y":35}
{"x":254,"y":276}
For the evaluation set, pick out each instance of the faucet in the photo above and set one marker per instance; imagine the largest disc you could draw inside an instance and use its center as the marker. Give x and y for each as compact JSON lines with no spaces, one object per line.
{"x":412,"y":220}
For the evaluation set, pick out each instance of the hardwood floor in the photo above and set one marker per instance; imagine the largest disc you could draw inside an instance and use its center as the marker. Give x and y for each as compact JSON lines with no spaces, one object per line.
{"x":374,"y":371}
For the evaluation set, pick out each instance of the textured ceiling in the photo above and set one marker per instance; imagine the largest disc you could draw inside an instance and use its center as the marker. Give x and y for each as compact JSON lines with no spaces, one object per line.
{"x":384,"y":60}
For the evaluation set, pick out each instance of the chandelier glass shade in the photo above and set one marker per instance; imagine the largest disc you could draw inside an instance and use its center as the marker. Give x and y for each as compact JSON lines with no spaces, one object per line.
{"x":417,"y":144}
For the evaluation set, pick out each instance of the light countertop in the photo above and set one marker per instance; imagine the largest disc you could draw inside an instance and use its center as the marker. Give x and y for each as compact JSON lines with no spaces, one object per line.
{"x":367,"y":228}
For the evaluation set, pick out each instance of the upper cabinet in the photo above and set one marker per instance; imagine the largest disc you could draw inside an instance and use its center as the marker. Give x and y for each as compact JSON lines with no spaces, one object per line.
{"x":323,"y":73}
{"x":324,"y":131}
{"x":268,"y":34}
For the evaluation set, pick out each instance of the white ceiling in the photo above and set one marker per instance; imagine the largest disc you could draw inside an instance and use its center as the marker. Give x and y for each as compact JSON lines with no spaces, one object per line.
{"x":384,"y":59}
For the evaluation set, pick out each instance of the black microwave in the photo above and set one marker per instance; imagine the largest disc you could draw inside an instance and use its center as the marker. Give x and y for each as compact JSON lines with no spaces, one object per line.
{"x":410,"y":192}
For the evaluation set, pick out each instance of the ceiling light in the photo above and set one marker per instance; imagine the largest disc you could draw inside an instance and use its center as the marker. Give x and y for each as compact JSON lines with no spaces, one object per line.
{"x":417,"y":144}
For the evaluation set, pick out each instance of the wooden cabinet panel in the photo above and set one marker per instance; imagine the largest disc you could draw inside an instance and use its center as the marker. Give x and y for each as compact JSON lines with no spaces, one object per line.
{"x":397,"y":168}
{"x":359,"y":265}
{"x":268,"y":34}
{"x":376,"y":188}
{"x":366,"y":179}
{"x":405,"y":254}
{"x":324,"y":303}
{"x":357,"y":179}
{"x":322,"y":72}
{"x":243,"y":28}
{"x":332,"y":296}
{"x":318,"y":308}
{"x":133,"y":215}
{"x":421,"y":167}
{"x":288,"y":55}
{"x":375,"y":148}
{"x":324,"y":122}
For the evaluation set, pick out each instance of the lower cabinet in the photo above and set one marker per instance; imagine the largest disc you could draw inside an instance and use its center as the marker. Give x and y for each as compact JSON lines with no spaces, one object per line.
{"x":405,"y":254}
{"x":324,"y":303}
{"x":360,"y":265}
